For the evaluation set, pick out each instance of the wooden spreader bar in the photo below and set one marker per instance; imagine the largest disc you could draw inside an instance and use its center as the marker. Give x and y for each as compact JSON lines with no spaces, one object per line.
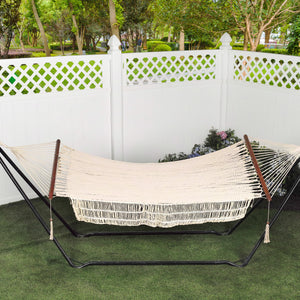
{"x":256,"y":166}
{"x":54,"y":169}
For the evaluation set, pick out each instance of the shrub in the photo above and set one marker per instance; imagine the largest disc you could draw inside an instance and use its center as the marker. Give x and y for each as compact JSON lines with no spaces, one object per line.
{"x":174,"y":46}
{"x":187,"y":45}
{"x":203,"y":44}
{"x":56,"y":46}
{"x":164,"y":39}
{"x":151,"y":45}
{"x":275,"y":51}
{"x":214,"y":141}
{"x":294,"y":37}
{"x":38,"y":54}
{"x":162,"y":47}
{"x":260,"y":47}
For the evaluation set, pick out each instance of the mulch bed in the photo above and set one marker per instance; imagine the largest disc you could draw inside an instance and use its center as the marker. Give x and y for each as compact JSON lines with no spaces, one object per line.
{"x":18,"y":53}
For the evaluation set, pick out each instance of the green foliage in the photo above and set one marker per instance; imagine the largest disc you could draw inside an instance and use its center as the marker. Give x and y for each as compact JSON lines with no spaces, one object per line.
{"x":158,"y":45}
{"x":151,"y":45}
{"x":174,"y":46}
{"x":256,"y":16}
{"x":217,"y":140}
{"x":275,"y":51}
{"x":164,"y":39}
{"x":187,"y":45}
{"x":260,"y":47}
{"x":162,"y":47}
{"x":9,"y":17}
{"x":294,"y":37}
{"x":56,"y":46}
{"x":38,"y":54}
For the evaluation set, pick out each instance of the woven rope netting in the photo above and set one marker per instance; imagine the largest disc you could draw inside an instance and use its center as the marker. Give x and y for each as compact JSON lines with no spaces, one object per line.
{"x":216,"y":187}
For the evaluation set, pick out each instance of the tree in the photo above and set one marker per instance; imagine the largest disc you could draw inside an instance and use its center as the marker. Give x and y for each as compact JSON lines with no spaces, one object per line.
{"x":86,"y":19}
{"x":59,"y":22}
{"x":256,"y":16}
{"x":136,"y":17}
{"x":172,"y":13}
{"x":21,"y":24}
{"x":41,"y":28}
{"x":113,"y":19}
{"x":9,"y":17}
{"x":294,"y":36}
{"x":97,"y":14}
{"x":206,"y":20}
{"x":199,"y":20}
{"x":77,"y":12}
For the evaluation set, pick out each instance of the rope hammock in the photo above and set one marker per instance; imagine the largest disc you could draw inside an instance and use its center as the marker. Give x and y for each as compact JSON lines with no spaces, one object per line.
{"x":217,"y":187}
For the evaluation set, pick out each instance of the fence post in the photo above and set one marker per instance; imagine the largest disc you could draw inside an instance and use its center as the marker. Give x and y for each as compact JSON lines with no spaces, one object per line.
{"x":224,"y":75}
{"x":116,"y":99}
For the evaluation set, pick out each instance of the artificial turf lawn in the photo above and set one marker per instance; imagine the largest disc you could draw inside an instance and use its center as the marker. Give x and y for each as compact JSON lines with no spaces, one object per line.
{"x":32,"y":267}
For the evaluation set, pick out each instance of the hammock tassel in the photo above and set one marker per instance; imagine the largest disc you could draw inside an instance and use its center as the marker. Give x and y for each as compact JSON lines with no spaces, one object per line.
{"x":267,"y":234}
{"x":267,"y":230}
{"x":51,"y":230}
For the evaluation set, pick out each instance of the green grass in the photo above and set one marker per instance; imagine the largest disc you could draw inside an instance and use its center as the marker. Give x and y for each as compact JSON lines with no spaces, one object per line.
{"x":32,"y":267}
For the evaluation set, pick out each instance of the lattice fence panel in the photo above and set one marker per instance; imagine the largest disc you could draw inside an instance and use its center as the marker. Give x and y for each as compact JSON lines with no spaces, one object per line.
{"x":154,"y":68}
{"x":37,"y":76}
{"x":281,"y":71}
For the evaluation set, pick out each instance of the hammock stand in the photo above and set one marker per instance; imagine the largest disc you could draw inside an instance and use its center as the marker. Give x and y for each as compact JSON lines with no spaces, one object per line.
{"x":241,"y":263}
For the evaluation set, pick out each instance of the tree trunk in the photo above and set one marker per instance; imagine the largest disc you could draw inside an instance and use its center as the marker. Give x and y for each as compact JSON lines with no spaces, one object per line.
{"x":181,"y":40}
{"x":267,"y":36}
{"x":144,"y":39}
{"x":245,"y":47}
{"x":73,"y":42}
{"x":255,"y":42}
{"x":41,"y":28}
{"x":7,"y":43}
{"x":20,"y":30}
{"x":169,"y":35}
{"x":79,"y":36}
{"x":130,"y":40}
{"x":62,"y":46}
{"x":113,"y":19}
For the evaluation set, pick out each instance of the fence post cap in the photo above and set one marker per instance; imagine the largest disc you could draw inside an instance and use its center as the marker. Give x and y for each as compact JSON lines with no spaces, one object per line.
{"x":225,"y":40}
{"x":114,"y":44}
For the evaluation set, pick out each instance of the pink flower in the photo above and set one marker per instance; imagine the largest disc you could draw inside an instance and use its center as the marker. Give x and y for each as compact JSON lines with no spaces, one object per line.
{"x":222,"y":134}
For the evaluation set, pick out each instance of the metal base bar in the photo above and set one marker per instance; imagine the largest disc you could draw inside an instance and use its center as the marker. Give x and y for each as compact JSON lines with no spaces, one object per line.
{"x":79,"y":265}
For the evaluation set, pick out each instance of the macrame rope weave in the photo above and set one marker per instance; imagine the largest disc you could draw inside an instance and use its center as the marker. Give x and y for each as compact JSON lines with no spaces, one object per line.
{"x":216,"y":187}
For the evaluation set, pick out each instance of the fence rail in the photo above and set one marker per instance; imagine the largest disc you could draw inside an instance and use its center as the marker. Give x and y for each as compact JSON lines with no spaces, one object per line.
{"x":168,"y":67}
{"x":274,"y":70}
{"x":50,"y":75}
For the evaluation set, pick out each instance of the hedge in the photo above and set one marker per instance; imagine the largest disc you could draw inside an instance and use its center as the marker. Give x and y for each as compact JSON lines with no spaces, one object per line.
{"x":162,"y":47}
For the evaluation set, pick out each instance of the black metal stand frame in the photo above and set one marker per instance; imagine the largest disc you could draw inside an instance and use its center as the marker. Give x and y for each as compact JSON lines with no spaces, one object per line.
{"x":241,"y":263}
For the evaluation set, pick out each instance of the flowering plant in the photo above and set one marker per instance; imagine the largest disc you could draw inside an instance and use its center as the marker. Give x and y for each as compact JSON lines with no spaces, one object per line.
{"x":215,"y":140}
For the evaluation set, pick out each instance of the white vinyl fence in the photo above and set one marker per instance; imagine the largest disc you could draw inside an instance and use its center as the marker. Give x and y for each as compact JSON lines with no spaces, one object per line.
{"x":141,"y":106}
